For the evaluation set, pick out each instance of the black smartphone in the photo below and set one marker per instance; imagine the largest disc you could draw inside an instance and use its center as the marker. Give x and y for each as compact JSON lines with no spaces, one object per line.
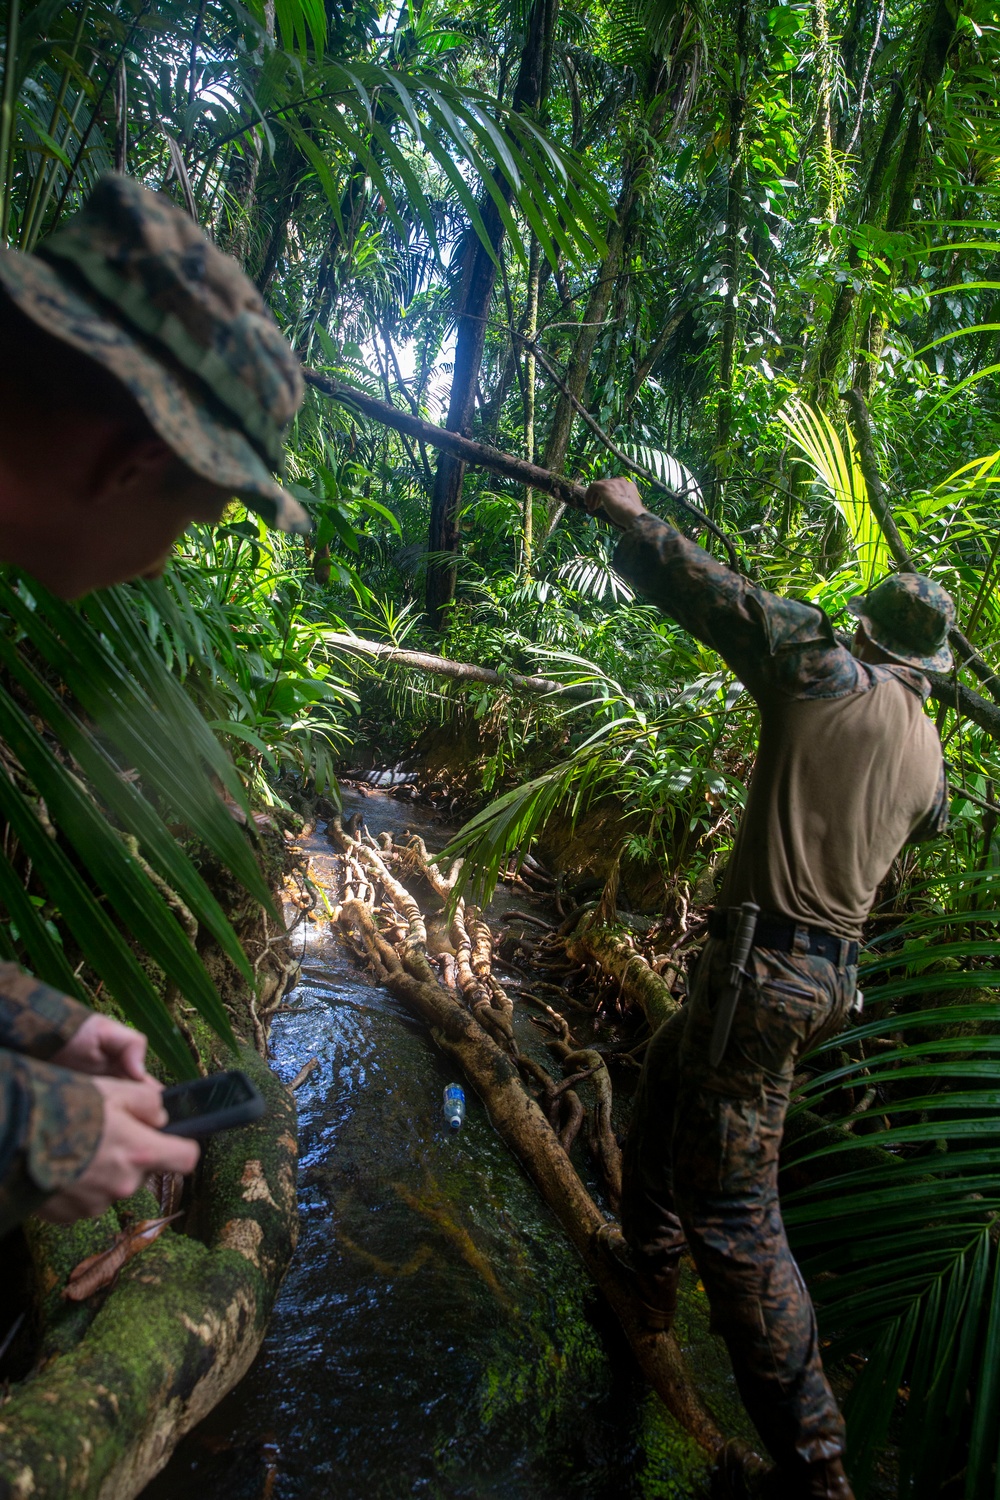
{"x":204,"y":1105}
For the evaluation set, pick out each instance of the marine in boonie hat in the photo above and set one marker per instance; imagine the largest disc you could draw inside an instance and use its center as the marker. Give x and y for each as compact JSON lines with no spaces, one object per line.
{"x":908,"y":616}
{"x":134,"y":284}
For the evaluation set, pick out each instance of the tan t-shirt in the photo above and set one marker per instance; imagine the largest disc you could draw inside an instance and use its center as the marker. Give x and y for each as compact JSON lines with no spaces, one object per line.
{"x":849,"y":766}
{"x":839,"y":786}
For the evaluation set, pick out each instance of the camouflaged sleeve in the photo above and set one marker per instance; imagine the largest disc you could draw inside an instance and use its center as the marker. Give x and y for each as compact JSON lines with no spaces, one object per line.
{"x":773,"y":644}
{"x":50,"y":1124}
{"x":34,"y":1018}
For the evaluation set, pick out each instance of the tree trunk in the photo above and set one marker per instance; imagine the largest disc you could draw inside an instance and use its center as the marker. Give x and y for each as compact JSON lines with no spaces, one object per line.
{"x":492,"y":1068}
{"x":732,"y":259}
{"x":826,"y":202}
{"x":934,"y":46}
{"x":591,"y":326}
{"x":472,"y":314}
{"x":287,"y":195}
{"x":244,"y":169}
{"x":531,"y":333}
{"x":645,"y":365}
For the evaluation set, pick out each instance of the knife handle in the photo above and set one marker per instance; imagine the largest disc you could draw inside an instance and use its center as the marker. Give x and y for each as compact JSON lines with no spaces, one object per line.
{"x":743,"y":941}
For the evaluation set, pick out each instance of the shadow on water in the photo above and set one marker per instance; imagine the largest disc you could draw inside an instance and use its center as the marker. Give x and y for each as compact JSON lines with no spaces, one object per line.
{"x":435,"y":1336}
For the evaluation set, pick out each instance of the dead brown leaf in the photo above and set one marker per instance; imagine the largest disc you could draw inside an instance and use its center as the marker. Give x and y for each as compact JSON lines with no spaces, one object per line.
{"x":99,"y":1271}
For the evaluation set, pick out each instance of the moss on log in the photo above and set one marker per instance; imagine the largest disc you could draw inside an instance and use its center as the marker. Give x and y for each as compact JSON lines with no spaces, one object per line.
{"x":177,"y":1331}
{"x":640,"y":984}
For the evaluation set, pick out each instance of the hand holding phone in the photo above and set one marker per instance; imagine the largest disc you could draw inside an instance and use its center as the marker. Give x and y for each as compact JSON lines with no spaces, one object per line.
{"x":203,"y":1106}
{"x":130,"y":1147}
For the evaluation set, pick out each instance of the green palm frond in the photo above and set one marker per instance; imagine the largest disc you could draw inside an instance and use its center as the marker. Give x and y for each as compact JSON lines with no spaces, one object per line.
{"x":813,"y":432}
{"x":507,"y":827}
{"x":562,"y":200}
{"x":344,"y":117}
{"x":102,"y":748}
{"x":901,"y":1251}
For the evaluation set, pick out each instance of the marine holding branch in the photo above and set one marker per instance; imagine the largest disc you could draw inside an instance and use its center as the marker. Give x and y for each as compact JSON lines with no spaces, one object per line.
{"x":145,"y":385}
{"x":848,"y":769}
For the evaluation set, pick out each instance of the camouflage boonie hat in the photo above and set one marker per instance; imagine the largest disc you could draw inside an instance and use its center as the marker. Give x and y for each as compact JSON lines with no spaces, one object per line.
{"x":908,"y":616}
{"x":134,"y":284}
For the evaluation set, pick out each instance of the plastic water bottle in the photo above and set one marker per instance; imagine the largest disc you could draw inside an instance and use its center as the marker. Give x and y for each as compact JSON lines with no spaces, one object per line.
{"x":454,"y":1106}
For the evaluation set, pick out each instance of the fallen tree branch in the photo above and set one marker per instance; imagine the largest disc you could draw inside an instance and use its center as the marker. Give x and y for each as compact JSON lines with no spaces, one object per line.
{"x":467,"y":449}
{"x":460,"y":671}
{"x":970,"y":704}
{"x":522,"y":1124}
{"x":951,"y":693}
{"x":182,"y":1325}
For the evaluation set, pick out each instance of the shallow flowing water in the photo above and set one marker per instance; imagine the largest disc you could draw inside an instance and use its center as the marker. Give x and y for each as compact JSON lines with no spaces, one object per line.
{"x":436,"y":1335}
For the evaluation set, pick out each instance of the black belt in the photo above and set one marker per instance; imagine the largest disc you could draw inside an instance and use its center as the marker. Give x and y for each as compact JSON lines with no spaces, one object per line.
{"x":785,"y":937}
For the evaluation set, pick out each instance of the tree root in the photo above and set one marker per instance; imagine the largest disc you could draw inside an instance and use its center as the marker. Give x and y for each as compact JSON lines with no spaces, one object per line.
{"x":638,"y":983}
{"x":468,"y":1032}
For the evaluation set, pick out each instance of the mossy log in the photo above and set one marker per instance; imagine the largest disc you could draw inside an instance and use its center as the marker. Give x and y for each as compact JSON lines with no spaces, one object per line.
{"x":640,"y":985}
{"x":180,"y":1327}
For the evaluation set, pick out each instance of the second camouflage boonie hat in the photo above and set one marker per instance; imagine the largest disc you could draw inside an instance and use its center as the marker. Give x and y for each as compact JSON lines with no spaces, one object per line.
{"x":908,"y":616}
{"x":135,"y":284}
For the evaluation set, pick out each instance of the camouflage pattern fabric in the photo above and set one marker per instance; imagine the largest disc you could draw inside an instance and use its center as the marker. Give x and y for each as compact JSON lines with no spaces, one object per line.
{"x":701,"y":1170}
{"x":35,"y":1018}
{"x":134,"y":284}
{"x":776,"y":646}
{"x":50,"y":1124}
{"x":701,"y":1161}
{"x":772,"y":643}
{"x":909,"y":616}
{"x":50,"y":1118}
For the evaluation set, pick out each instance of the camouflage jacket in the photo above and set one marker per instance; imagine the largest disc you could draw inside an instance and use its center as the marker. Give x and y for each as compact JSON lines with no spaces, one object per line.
{"x":776,"y":646}
{"x":50,"y":1118}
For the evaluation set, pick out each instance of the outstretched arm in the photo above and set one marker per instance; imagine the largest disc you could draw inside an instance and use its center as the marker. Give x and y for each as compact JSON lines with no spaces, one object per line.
{"x":770,"y":642}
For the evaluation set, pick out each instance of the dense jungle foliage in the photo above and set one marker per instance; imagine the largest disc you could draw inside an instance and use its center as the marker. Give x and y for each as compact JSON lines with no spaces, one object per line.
{"x":596,"y":233}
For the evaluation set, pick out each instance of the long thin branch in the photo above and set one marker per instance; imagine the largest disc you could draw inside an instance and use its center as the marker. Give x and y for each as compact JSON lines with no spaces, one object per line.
{"x":951,"y":693}
{"x":462,"y":671}
{"x":860,"y":106}
{"x":486,"y":457}
{"x":651,"y":479}
{"x":471,"y":452}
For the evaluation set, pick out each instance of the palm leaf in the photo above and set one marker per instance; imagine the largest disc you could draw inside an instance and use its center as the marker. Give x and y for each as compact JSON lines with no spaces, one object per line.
{"x":100,"y":941}
{"x":899,"y":1255}
{"x":122,"y":708}
{"x":812,"y":431}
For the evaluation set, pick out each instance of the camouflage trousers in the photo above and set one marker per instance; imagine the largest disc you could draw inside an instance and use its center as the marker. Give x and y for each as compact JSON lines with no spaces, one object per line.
{"x":701,"y":1169}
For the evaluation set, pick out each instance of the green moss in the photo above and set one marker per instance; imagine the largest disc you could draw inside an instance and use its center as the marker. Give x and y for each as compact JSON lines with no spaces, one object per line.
{"x":546,"y":1358}
{"x":673,"y":1466}
{"x":159,"y":1331}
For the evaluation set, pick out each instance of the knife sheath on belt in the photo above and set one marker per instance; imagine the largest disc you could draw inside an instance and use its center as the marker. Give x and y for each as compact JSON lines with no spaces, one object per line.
{"x":738,"y":955}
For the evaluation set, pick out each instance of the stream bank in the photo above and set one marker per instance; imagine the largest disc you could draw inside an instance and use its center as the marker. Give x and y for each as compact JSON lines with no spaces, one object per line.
{"x":436,"y":1334}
